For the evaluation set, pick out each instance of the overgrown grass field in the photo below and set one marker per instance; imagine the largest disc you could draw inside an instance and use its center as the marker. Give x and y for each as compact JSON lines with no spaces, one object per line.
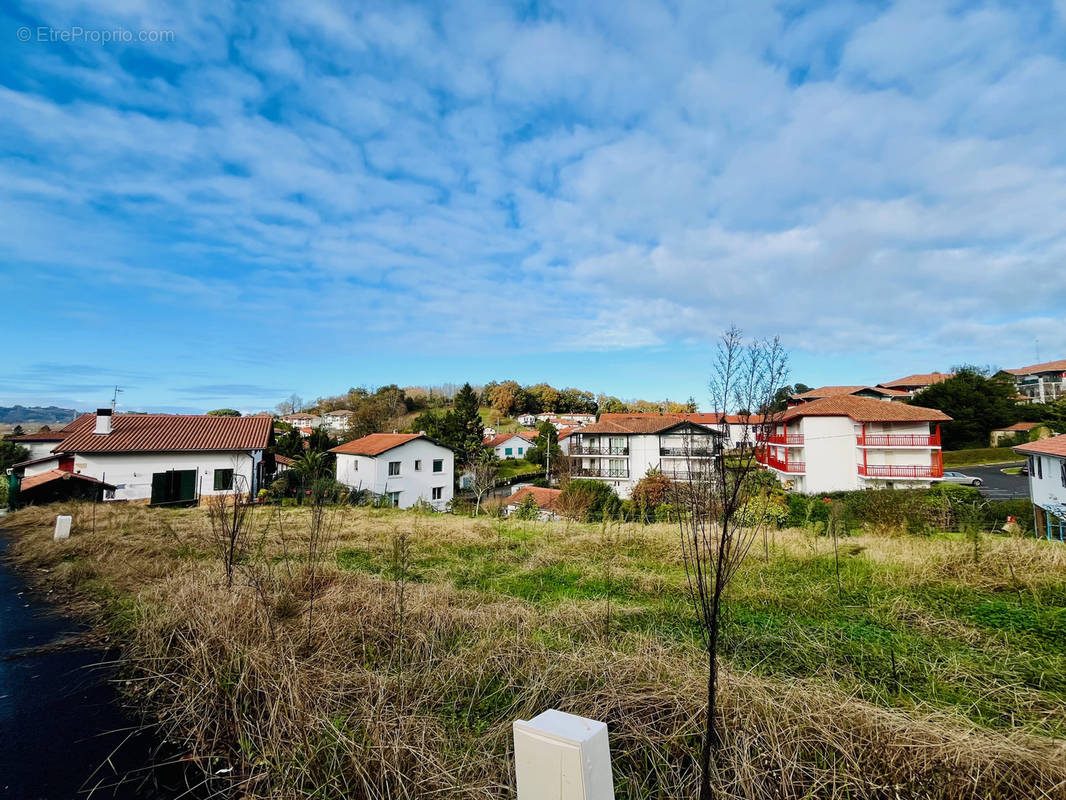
{"x":882,"y":666}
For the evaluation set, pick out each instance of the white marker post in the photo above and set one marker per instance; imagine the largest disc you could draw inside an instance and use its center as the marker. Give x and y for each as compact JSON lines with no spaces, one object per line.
{"x":560,"y":756}
{"x":62,"y":527}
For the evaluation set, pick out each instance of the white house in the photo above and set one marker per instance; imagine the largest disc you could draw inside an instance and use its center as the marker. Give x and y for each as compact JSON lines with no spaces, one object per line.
{"x":402,"y":467}
{"x":1040,"y":383}
{"x":1047,"y":484}
{"x":302,"y":419}
{"x":846,"y":442}
{"x":42,"y":443}
{"x":621,"y":450}
{"x":510,"y":445}
{"x":336,"y":421}
{"x":527,"y":419}
{"x":164,"y":459}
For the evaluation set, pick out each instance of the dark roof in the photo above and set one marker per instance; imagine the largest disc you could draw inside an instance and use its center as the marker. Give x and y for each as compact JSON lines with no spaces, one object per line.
{"x":863,"y":409}
{"x":164,"y":433}
{"x":40,"y":436}
{"x":377,"y":443}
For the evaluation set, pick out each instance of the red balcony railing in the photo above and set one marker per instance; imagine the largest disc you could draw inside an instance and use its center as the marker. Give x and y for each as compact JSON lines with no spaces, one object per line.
{"x":898,"y":440}
{"x":766,"y":458}
{"x":779,"y":438}
{"x":901,"y":471}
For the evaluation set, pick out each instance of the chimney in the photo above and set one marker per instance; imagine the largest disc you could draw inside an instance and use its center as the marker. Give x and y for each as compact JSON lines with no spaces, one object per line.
{"x":103,"y":421}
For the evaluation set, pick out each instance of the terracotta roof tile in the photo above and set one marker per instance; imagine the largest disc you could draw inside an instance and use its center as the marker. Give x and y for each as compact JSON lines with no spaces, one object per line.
{"x":1055,"y":446}
{"x":40,"y":436}
{"x":864,"y":409}
{"x":158,"y":433}
{"x":545,"y":498}
{"x":918,"y":379}
{"x":1020,"y":426}
{"x":839,"y":391}
{"x":1033,"y":369}
{"x":58,"y":475}
{"x":377,"y":443}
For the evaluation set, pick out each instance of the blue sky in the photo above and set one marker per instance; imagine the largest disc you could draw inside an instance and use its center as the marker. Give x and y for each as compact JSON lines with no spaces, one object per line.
{"x":312,"y":196}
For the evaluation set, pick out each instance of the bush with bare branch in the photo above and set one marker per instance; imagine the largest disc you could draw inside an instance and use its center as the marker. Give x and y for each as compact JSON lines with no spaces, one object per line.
{"x":228,"y":515}
{"x":716,"y":535}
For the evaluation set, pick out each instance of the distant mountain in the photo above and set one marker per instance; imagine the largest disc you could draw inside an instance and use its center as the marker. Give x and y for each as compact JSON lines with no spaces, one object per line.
{"x":46,"y":415}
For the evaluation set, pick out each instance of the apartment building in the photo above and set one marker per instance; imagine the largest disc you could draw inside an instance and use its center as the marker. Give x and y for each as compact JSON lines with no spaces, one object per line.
{"x":847,"y":442}
{"x":1040,"y":383}
{"x":621,"y":449}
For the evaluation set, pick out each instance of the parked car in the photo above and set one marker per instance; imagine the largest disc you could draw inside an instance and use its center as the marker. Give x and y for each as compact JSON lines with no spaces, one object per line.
{"x":1024,"y":470}
{"x":958,"y":477}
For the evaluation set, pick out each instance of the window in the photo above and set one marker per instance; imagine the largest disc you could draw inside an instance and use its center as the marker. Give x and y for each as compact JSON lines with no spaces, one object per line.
{"x":223,"y":480}
{"x":519,"y":451}
{"x":394,"y":498}
{"x":418,"y":465}
{"x":1062,"y":472}
{"x":438,"y":492}
{"x":1040,"y":467}
{"x":438,"y":465}
{"x":394,"y":468}
{"x":508,"y":451}
{"x":355,"y":464}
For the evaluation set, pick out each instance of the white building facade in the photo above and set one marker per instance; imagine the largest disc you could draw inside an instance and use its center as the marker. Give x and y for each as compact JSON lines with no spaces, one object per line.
{"x":847,"y":443}
{"x":510,"y":445}
{"x":164,"y":459}
{"x":1047,"y":484}
{"x":403,"y":468}
{"x":622,"y":450}
{"x":1040,"y":383}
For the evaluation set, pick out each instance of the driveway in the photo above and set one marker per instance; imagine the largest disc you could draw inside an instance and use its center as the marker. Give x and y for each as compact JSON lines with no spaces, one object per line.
{"x":994,"y":484}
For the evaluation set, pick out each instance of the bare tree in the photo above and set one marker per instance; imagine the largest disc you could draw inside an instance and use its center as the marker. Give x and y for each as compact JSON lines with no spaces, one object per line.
{"x":291,"y":404}
{"x":483,"y":471}
{"x":227,"y":515}
{"x":321,"y":532}
{"x":716,"y":533}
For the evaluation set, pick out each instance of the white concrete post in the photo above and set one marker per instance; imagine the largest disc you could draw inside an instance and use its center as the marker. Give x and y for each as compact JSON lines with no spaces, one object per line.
{"x":62,"y":527}
{"x":560,"y":756}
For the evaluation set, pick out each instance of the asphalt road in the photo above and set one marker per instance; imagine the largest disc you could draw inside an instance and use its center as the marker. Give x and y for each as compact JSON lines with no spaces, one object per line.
{"x":994,"y":484}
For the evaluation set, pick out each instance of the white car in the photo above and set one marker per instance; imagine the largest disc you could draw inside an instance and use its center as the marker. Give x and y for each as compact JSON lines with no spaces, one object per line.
{"x":958,"y":477}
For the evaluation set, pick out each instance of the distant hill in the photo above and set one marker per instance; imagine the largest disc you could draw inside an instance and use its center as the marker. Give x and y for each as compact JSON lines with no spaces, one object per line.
{"x":45,"y":415}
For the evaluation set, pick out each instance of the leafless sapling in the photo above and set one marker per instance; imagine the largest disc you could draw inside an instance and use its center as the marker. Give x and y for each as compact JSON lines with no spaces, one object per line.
{"x":716,"y":532}
{"x":228,"y":515}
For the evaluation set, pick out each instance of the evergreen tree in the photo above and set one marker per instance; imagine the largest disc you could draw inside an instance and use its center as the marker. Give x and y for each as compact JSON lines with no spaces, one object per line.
{"x":976,"y":404}
{"x":464,"y":427}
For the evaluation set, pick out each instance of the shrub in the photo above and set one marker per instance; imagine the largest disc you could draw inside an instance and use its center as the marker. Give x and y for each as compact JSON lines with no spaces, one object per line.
{"x":528,"y":509}
{"x":596,"y":498}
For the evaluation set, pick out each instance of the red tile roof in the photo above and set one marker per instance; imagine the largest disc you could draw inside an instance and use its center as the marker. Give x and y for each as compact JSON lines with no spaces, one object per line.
{"x":864,"y":409}
{"x":377,"y":443}
{"x":1033,"y":369}
{"x":839,"y":391}
{"x":280,"y":459}
{"x":668,"y":420}
{"x":1055,"y":446}
{"x":1019,"y":426}
{"x":918,"y":379}
{"x":57,"y":475}
{"x":40,"y":436}
{"x":500,"y":438}
{"x":165,"y":433}
{"x":543,"y":497}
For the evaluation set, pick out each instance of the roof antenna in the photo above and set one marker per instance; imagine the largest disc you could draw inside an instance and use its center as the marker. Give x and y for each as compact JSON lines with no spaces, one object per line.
{"x":114,"y":399}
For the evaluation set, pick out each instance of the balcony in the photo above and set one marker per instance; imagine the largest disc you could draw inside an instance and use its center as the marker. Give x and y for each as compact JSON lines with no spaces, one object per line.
{"x":900,"y":471}
{"x":696,"y":452}
{"x":781,"y":464}
{"x":599,"y":472}
{"x":578,"y":449}
{"x":780,"y":438}
{"x":898,"y":440}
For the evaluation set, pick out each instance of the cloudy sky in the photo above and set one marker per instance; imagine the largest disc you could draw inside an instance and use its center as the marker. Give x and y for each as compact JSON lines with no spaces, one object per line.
{"x":238,"y":201}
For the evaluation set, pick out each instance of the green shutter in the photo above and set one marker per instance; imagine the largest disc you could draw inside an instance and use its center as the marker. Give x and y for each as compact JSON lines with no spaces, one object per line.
{"x":159,"y":487}
{"x":188,"y":485}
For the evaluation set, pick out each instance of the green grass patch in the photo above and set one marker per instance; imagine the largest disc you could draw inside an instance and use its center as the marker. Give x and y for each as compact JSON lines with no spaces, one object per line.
{"x":980,"y":455}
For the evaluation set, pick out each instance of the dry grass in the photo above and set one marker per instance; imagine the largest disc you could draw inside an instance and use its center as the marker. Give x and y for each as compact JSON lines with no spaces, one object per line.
{"x":418,"y":703}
